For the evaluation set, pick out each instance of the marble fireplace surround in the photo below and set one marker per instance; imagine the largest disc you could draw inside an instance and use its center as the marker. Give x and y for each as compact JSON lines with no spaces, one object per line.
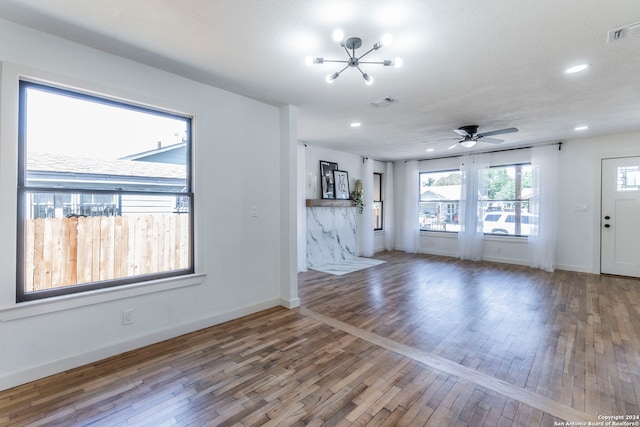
{"x":331,"y":232}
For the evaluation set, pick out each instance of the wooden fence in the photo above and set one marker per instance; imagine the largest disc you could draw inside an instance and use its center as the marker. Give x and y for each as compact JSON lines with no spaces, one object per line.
{"x":68,"y":251}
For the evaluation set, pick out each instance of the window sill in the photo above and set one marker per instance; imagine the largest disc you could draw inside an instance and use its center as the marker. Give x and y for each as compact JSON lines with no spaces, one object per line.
{"x":487,"y":237}
{"x":505,"y":237}
{"x":66,"y":302}
{"x":453,"y":234}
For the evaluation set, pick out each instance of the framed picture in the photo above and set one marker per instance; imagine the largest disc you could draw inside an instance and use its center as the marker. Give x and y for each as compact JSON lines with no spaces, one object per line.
{"x":341,"y":184}
{"x":327,"y":186}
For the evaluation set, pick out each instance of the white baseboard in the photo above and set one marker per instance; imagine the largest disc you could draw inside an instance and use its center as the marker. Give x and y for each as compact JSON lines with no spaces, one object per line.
{"x":290,"y":303}
{"x":22,"y":377}
{"x":576,"y":268}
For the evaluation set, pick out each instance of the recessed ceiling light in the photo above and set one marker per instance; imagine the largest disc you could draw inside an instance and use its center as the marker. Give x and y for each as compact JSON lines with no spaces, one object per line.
{"x":429,"y":150}
{"x":579,"y":128}
{"x":576,"y":68}
{"x":356,"y":124}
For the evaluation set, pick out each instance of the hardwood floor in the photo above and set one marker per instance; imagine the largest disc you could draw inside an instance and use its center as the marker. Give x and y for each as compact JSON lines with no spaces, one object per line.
{"x":418,"y":340}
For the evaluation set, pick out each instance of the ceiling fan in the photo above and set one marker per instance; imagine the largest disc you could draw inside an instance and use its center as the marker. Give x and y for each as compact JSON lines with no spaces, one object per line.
{"x":470,"y":136}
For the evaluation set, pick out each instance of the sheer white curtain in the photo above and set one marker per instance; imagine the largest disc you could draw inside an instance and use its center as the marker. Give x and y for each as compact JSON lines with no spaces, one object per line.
{"x":474,"y":187}
{"x":410,"y":224}
{"x":388,"y":205}
{"x":544,"y":204}
{"x":366,"y":219}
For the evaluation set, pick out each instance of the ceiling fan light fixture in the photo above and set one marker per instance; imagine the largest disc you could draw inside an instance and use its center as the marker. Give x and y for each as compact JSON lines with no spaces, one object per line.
{"x":468,"y":143}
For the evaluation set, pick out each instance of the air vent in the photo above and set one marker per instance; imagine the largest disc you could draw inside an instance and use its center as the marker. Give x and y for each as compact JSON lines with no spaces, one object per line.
{"x":383,"y":102}
{"x":626,"y":32}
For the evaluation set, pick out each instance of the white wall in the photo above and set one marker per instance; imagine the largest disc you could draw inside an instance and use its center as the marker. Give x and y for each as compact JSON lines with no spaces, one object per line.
{"x":309,"y":181}
{"x":240,"y":152}
{"x":580,"y":173}
{"x":578,"y":247}
{"x":346,"y":161}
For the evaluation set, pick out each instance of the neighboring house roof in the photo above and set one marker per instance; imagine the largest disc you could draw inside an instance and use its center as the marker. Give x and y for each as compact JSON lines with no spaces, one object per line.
{"x":452,"y":192}
{"x":86,"y":173}
{"x":441,"y":192}
{"x":175,"y":154}
{"x":45,"y":162}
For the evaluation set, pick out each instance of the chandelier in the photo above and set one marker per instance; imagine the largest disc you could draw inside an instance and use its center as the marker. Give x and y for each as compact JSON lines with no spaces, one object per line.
{"x":350,"y":45}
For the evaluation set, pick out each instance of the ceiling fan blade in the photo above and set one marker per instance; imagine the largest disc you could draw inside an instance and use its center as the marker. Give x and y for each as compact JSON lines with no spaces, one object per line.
{"x":491,"y":140}
{"x":498,"y":132}
{"x":462,"y":132}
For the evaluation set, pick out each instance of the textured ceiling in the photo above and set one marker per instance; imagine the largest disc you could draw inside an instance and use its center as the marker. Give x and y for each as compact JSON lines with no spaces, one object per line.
{"x":494,"y":63}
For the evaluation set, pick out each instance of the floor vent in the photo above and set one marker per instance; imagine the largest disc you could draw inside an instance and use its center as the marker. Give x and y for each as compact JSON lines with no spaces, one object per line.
{"x":626,"y":32}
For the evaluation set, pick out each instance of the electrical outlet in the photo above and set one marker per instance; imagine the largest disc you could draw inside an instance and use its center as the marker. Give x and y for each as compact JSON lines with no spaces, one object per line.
{"x":127,"y":317}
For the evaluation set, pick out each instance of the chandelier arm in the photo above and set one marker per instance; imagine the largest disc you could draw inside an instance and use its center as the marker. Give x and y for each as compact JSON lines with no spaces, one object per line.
{"x":336,"y":60}
{"x":366,"y":53}
{"x":362,"y":72}
{"x":368,"y":62}
{"x":343,"y":68}
{"x":348,"y":53}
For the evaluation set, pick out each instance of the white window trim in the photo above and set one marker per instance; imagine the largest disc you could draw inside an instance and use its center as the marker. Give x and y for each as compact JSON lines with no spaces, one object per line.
{"x":82,"y":299}
{"x":10,"y":75}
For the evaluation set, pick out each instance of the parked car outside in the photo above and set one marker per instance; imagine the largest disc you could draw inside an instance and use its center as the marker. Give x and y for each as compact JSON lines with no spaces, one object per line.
{"x":505,"y":223}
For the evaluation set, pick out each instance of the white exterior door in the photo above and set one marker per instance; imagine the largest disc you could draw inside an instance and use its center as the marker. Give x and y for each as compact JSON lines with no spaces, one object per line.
{"x":620,"y":220}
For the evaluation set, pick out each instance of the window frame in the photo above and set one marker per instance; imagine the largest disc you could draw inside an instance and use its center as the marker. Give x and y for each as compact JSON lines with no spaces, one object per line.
{"x":22,"y":189}
{"x":379,"y":174}
{"x":449,"y":201}
{"x":515,"y":200}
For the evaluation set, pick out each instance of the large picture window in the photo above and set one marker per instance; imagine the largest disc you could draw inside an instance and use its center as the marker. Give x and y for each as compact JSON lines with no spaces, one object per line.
{"x":104,"y":193}
{"x":440,"y":200}
{"x":506,"y":205}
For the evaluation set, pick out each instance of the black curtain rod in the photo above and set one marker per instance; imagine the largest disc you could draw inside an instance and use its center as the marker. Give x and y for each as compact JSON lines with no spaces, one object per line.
{"x":559,"y":143}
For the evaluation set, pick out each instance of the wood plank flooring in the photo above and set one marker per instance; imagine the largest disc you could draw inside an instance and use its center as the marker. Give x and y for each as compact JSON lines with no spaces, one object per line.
{"x":418,"y":340}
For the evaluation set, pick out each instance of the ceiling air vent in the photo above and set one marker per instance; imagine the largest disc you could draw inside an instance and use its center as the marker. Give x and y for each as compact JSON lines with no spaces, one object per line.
{"x":627,"y":32}
{"x":383,"y":102}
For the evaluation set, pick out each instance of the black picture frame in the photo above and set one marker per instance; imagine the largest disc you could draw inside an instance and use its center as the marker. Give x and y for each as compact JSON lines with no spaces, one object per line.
{"x":327,"y":187}
{"x":341,"y":184}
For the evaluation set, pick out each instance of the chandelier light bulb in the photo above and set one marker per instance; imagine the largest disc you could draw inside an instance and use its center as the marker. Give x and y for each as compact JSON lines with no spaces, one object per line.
{"x":367,"y":78}
{"x":386,"y":40}
{"x":338,"y":35}
{"x":397,"y":63}
{"x":331,"y":77}
{"x":309,"y":60}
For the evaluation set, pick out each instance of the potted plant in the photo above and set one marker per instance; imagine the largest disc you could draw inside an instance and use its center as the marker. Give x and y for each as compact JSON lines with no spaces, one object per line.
{"x":356,"y":196}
